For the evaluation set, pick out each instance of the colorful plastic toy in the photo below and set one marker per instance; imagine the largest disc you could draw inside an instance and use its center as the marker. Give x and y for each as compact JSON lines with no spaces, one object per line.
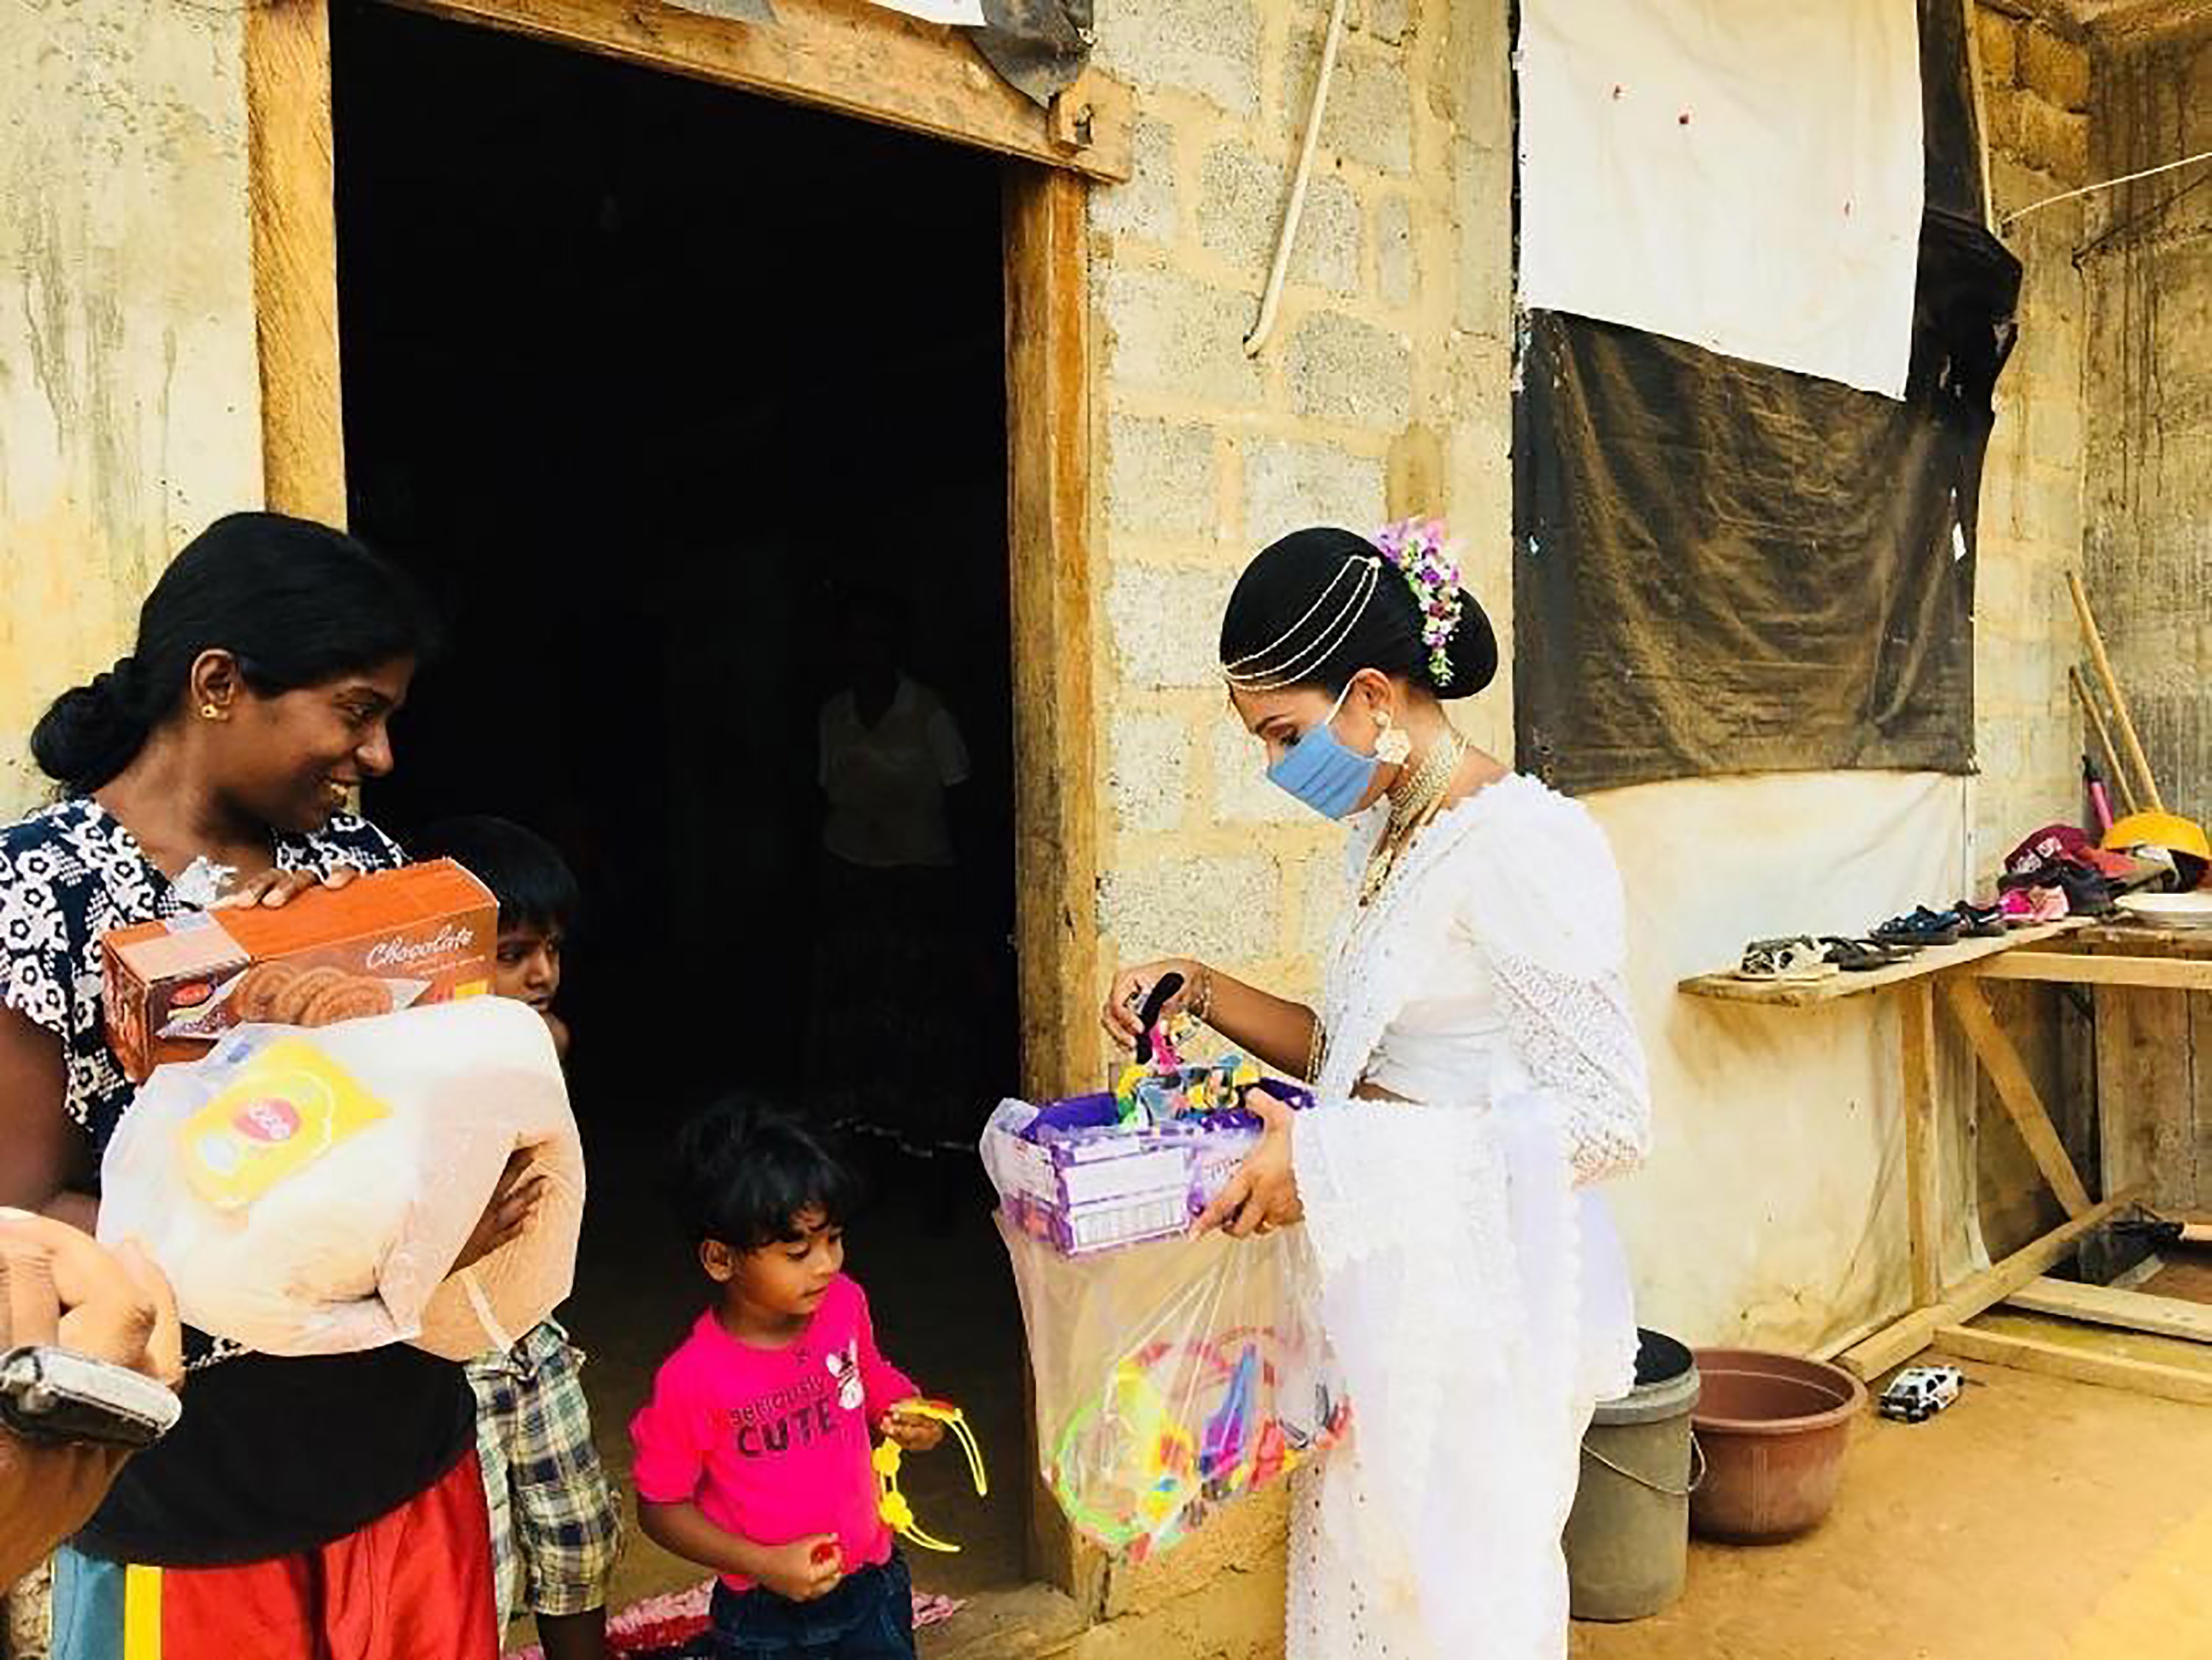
{"x":893,"y":1505}
{"x":1138,"y":1478}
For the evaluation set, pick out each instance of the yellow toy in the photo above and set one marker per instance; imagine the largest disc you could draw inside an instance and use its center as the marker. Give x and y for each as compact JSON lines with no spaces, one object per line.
{"x":893,"y":1505}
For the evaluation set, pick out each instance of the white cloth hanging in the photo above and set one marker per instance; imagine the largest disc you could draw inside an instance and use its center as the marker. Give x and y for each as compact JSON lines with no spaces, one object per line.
{"x":1745,"y":176}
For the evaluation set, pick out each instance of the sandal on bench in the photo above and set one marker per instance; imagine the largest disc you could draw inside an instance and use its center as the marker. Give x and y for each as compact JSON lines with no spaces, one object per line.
{"x":1794,"y":959}
{"x":1857,"y":956}
{"x":1920,"y":926}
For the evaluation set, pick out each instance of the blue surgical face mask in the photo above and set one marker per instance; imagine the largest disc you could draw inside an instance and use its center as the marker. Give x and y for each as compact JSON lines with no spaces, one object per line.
{"x":1322,"y":772}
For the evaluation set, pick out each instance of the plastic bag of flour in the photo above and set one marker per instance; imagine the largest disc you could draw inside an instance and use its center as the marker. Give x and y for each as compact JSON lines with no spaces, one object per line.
{"x":307,"y":1191}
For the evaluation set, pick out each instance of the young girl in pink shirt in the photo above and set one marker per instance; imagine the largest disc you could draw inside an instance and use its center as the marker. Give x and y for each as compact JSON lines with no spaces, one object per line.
{"x":752,"y":1456}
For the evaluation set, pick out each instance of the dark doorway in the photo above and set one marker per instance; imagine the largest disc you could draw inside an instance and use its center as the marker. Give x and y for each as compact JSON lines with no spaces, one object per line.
{"x":656,"y":386}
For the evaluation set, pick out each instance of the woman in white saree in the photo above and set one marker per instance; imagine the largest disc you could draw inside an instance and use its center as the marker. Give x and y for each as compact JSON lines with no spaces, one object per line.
{"x":1478,"y":1069}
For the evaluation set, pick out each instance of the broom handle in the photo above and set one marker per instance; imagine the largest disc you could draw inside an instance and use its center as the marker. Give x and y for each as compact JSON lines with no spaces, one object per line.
{"x":2104,"y":666}
{"x":2104,"y":737}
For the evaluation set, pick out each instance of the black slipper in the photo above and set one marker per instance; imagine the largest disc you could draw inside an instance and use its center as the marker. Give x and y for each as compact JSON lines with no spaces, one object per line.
{"x":1857,"y":956}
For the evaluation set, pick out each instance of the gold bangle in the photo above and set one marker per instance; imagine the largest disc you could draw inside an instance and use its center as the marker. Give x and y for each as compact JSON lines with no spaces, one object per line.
{"x":1316,"y":1046}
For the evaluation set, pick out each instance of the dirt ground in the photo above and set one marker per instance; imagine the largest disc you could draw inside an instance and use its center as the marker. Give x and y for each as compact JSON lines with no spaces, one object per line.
{"x":2036,"y":1519}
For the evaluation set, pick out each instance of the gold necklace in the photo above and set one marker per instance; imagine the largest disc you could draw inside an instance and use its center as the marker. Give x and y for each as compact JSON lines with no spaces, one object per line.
{"x":1413,"y":806}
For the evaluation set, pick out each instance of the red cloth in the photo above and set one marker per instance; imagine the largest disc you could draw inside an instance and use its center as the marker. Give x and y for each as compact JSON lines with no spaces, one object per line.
{"x":413,"y":1585}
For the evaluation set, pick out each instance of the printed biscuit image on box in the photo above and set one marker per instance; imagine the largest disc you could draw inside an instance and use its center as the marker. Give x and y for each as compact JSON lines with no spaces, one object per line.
{"x":394,"y":940}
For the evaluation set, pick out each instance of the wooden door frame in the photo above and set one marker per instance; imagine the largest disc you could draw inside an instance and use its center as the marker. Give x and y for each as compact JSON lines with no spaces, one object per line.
{"x":1048,"y":423}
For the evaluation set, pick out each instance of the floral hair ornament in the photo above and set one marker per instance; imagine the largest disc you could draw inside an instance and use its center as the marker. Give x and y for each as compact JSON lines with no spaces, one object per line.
{"x":1430,"y":564}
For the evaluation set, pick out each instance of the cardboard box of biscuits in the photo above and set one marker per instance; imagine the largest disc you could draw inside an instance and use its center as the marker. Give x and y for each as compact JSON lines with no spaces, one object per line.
{"x":391,"y":941}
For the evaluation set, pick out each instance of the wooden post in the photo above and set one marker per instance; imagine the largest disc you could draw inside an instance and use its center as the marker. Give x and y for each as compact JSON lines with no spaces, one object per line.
{"x":2104,"y":667}
{"x":2122,"y":780}
{"x":1922,"y":1153}
{"x":290,"y":183}
{"x":1055,"y":802}
{"x":1969,"y":1006}
{"x":1898,"y":1342}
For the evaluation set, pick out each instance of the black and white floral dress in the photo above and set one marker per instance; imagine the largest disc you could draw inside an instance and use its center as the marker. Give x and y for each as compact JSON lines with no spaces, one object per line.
{"x":274,"y":1456}
{"x":70,"y":873}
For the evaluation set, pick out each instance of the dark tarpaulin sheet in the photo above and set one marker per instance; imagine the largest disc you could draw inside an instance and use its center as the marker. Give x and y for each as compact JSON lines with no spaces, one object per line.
{"x":1725,"y":568}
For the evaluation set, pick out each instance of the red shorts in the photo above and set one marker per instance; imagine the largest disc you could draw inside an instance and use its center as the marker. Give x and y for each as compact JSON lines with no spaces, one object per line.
{"x":413,"y":1585}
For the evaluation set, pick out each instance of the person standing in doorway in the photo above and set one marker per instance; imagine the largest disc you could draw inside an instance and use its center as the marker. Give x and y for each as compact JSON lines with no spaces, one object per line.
{"x":888,"y":1055}
{"x":1477,"y":1068}
{"x":305,"y":1508}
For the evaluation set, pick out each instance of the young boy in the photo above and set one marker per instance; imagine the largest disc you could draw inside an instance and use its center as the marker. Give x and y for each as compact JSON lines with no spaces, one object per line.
{"x":754,"y":1453}
{"x":555,"y":1526}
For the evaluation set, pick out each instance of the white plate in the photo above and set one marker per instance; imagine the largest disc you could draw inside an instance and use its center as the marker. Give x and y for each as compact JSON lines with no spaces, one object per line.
{"x":2169,"y":909}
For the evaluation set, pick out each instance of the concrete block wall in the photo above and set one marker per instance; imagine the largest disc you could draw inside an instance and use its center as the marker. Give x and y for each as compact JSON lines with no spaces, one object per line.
{"x":2028,"y":733}
{"x":1385,"y":390}
{"x":1382,"y":391}
{"x":2147,"y":258}
{"x":130,"y":395}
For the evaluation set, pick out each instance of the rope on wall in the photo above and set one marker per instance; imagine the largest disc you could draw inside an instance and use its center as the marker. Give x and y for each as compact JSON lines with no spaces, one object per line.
{"x":2007,"y":223}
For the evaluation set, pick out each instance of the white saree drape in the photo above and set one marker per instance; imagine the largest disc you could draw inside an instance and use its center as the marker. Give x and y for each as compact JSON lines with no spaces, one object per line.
{"x":1472,"y":1285}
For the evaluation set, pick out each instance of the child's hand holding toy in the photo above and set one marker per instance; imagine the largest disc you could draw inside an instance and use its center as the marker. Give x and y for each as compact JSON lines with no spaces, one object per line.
{"x":915,"y":1432}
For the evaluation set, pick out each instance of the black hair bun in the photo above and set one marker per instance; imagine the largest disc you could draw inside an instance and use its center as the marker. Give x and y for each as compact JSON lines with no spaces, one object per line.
{"x":91,"y":731}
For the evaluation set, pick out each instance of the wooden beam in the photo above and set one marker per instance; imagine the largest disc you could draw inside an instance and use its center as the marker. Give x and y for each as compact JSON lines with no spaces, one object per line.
{"x":1969,"y":1006}
{"x":1935,"y":959}
{"x":2103,"y":1306}
{"x":1922,"y":1153}
{"x":2145,"y":1094}
{"x":1048,"y":518}
{"x":1896,"y":1344}
{"x":847,"y":55}
{"x":295,"y":288}
{"x":2083,"y":1365}
{"x":2158,"y":973}
{"x":1056,"y":748}
{"x":1978,"y":95}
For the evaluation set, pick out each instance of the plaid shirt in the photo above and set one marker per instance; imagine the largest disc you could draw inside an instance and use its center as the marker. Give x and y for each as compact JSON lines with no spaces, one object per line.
{"x":555,"y":1525}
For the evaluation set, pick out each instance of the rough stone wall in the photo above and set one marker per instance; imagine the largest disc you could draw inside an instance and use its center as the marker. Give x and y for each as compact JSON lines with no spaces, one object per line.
{"x":2147,"y":259}
{"x":128,"y":391}
{"x":2036,"y":93}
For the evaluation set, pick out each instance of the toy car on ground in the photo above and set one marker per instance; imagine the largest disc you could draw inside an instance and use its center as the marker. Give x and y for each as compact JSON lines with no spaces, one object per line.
{"x":1918,"y":1393}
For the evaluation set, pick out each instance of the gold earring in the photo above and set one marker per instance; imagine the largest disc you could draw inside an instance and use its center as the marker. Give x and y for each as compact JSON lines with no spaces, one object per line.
{"x":209,"y":711}
{"x":1394,"y":745}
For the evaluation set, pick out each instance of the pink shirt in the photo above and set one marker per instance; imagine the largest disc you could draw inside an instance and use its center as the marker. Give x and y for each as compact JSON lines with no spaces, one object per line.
{"x":773,"y":1444}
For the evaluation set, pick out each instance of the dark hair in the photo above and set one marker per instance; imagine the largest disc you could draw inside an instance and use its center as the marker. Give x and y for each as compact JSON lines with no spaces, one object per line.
{"x":526,"y":873}
{"x":744,"y":1172}
{"x":1277,"y":609}
{"x":295,"y":603}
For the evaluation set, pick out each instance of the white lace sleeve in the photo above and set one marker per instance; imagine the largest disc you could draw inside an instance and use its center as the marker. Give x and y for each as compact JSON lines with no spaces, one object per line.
{"x":1557,"y":941}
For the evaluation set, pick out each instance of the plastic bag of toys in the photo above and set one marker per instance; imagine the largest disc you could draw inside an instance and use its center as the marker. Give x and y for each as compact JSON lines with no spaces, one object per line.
{"x":1173,"y":1379}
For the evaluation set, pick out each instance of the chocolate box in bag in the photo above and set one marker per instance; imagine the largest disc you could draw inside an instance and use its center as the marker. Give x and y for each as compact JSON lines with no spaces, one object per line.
{"x":394,"y":940}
